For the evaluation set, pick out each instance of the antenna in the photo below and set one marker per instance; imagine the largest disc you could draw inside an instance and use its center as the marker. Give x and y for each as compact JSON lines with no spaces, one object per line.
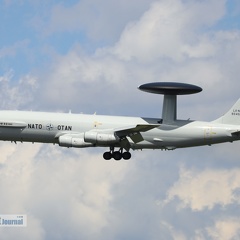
{"x":170,"y":90}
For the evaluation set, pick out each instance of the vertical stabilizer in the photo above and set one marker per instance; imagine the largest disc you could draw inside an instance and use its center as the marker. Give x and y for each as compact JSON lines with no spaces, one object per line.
{"x":169,"y":112}
{"x":232,"y":116}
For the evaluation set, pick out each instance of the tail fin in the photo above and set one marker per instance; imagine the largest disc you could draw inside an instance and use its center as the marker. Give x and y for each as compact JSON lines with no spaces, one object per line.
{"x":232,"y":116}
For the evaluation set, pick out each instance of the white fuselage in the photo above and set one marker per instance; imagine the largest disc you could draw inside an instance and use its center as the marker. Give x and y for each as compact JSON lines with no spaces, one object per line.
{"x":48,"y":127}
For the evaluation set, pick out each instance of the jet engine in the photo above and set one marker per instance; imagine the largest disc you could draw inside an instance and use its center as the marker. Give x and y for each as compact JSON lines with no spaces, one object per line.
{"x":100,"y":138}
{"x":70,"y":141}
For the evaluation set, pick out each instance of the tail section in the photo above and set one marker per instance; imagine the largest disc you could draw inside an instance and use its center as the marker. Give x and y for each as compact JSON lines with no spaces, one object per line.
{"x":232,"y":116}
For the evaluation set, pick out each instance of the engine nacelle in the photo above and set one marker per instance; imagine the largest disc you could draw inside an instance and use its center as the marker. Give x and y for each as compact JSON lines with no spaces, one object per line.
{"x":100,"y":138}
{"x":69,"y":141}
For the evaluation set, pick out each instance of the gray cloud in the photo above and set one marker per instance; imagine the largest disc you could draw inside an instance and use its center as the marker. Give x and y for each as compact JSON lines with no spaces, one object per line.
{"x":99,"y":20}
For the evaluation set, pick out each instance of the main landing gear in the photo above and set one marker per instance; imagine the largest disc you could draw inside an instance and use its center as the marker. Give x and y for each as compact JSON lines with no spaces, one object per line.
{"x":117,"y":155}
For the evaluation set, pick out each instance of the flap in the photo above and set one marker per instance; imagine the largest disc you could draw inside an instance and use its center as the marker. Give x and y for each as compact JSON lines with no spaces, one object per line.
{"x":125,"y":131}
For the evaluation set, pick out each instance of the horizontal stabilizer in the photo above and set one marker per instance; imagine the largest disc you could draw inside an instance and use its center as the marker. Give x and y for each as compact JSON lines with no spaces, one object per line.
{"x":236,"y":133}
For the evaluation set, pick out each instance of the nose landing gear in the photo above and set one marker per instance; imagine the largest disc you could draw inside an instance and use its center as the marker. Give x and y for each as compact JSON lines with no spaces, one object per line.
{"x":117,"y":155}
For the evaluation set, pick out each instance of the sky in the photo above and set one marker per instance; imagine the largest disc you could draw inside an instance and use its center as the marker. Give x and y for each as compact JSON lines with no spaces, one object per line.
{"x":90,"y":56}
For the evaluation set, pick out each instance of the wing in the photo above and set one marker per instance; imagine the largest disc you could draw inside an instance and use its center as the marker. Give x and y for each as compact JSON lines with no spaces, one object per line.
{"x":132,"y":134}
{"x":124,"y":131}
{"x":119,"y":136}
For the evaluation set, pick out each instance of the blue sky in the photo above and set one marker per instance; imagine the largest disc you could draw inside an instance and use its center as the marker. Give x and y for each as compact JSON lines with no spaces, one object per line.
{"x":27,"y":45}
{"x":89,"y":56}
{"x":23,"y":39}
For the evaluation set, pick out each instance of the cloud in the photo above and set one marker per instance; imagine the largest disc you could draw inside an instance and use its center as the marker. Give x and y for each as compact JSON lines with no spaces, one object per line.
{"x":16,"y":173}
{"x":76,"y":78}
{"x":79,"y":190}
{"x":167,"y":30}
{"x":99,"y":20}
{"x":166,"y":44}
{"x":17,"y":94}
{"x":58,"y":188}
{"x":225,"y":229}
{"x":11,"y":51}
{"x":206,"y":189}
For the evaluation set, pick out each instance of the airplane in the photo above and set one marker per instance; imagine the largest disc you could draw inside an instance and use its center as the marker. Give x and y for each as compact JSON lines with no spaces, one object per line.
{"x":123,"y":133}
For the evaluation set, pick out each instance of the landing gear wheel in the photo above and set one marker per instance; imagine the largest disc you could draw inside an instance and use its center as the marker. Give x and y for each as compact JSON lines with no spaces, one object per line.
{"x":117,"y":155}
{"x":126,"y":155}
{"x":107,"y":155}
